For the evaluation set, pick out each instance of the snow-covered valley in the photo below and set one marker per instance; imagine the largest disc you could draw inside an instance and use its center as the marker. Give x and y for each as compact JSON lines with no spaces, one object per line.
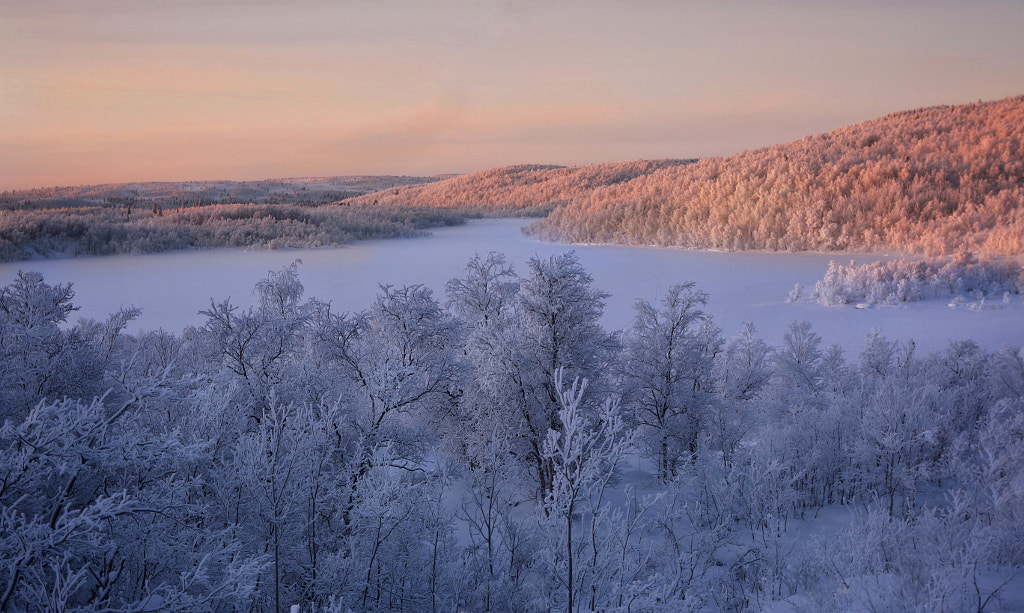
{"x":172,"y":288}
{"x":501,"y":441}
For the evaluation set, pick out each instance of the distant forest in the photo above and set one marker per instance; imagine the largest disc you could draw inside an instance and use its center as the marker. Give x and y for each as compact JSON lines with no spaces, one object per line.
{"x":172,"y":195}
{"x":105,"y":230}
{"x":930,"y":181}
{"x":935,"y":181}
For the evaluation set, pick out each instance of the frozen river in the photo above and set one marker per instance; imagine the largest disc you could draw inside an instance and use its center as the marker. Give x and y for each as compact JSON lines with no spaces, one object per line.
{"x":172,"y":288}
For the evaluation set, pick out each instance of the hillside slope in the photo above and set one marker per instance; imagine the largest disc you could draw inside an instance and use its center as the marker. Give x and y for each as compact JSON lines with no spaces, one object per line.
{"x":161,"y":216}
{"x":932,"y":181}
{"x":519,"y":190}
{"x":929,"y":181}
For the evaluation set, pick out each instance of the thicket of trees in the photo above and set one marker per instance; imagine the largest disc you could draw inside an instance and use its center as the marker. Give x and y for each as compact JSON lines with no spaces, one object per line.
{"x":497,"y":451}
{"x":895,"y":281}
{"x":104,"y":230}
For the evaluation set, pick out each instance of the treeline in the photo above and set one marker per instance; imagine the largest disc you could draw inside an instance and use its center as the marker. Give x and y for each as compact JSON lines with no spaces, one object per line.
{"x":104,"y":230}
{"x":497,"y":452}
{"x":896,"y":281}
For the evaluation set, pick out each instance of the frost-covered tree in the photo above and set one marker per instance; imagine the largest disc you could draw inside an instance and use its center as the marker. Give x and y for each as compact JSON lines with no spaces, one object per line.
{"x":743,"y":369}
{"x":486,"y":291}
{"x":410,"y":346}
{"x":668,"y":374}
{"x":38,"y":358}
{"x":898,"y":442}
{"x":878,"y":357}
{"x":585,"y":456}
{"x":1006,"y":376}
{"x":484,"y":299}
{"x":100,"y":512}
{"x":559,"y":313}
{"x":496,"y":561}
{"x":395,"y":369}
{"x":746,"y":365}
{"x":269,"y":463}
{"x":698,"y":535}
{"x":1000,"y":475}
{"x":798,"y":363}
{"x":552,"y":323}
{"x":254,"y":345}
{"x":932,"y":562}
{"x":398,"y":553}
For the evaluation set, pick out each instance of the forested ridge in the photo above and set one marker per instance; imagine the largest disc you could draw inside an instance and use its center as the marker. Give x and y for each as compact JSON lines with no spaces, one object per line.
{"x":172,"y":195}
{"x":932,"y":181}
{"x":496,"y":449}
{"x":929,"y":181}
{"x":153,"y":217}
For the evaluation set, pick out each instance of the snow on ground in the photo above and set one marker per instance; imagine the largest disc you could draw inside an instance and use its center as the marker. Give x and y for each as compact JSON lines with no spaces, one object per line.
{"x":172,"y":288}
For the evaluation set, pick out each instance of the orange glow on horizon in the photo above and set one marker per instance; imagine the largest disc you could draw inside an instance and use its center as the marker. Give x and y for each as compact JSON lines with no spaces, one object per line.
{"x":94,"y":92}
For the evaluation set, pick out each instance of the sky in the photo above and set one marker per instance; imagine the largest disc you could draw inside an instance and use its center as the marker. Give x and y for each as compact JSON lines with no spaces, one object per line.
{"x":108,"y":91}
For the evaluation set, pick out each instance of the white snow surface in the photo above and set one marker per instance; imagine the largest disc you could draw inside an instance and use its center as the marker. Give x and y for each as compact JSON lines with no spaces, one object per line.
{"x":172,"y":288}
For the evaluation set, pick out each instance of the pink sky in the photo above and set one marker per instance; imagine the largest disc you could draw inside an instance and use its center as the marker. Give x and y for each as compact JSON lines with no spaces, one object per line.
{"x":96,"y":91}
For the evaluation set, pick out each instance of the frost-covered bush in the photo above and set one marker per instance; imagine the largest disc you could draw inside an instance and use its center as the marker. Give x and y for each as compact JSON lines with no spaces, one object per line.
{"x":912,"y":280}
{"x":933,"y":562}
{"x":99,"y":512}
